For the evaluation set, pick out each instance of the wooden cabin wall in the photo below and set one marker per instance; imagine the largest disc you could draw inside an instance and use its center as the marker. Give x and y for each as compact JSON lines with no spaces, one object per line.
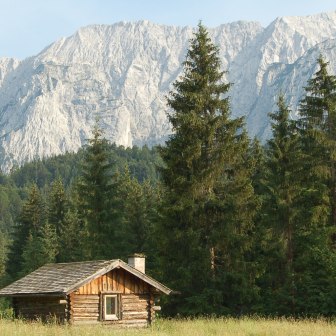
{"x":84,"y":308}
{"x":118,"y":281}
{"x":44,"y":308}
{"x":135,"y":310}
{"x":136,"y":302}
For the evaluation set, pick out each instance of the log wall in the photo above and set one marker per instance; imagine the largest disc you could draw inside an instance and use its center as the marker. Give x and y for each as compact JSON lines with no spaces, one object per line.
{"x":84,"y":308}
{"x":135,"y":309}
{"x":44,"y":308}
{"x":135,"y":300}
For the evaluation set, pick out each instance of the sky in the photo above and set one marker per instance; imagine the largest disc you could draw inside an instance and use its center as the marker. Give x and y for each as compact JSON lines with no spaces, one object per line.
{"x":28,"y":26}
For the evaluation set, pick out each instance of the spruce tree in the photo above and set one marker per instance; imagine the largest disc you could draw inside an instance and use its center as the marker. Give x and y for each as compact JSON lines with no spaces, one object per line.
{"x":293,"y":217}
{"x":137,"y":211}
{"x":57,"y":208}
{"x":57,"y":205}
{"x":72,"y":239}
{"x":95,"y":190}
{"x":202,"y":159}
{"x":318,"y":129}
{"x":40,"y":248}
{"x":318,"y":206}
{"x":281,"y":221}
{"x":30,"y":221}
{"x":3,"y":253}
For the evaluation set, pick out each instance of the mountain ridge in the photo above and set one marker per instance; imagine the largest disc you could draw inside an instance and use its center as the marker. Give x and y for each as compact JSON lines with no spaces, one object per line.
{"x":122,"y":73}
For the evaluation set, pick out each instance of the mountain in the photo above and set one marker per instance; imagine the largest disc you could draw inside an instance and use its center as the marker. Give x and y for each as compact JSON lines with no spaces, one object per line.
{"x":123,"y":72}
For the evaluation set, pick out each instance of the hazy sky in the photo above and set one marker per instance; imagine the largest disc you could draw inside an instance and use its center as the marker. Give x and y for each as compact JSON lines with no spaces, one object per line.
{"x":27,"y":26}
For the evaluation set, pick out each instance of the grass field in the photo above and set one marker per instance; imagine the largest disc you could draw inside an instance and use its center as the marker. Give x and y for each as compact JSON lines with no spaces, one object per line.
{"x":197,"y":327}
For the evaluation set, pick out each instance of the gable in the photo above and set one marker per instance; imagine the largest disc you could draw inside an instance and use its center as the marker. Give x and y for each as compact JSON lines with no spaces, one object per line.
{"x":118,"y":281}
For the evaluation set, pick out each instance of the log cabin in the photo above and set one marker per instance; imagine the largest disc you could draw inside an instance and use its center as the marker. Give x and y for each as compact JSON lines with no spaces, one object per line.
{"x":104,"y":291}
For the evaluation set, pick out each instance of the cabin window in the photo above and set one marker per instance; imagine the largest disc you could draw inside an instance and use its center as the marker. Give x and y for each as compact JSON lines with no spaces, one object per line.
{"x":111,"y":307}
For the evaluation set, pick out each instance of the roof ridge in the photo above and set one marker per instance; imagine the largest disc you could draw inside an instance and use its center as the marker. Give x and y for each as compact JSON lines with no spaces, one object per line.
{"x":80,"y":262}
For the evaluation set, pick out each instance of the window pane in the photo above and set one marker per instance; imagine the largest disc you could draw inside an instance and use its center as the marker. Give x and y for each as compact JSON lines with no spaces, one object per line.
{"x":110,"y":305}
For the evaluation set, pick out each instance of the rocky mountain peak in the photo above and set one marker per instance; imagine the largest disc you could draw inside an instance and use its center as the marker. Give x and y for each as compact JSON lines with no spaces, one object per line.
{"x":123,"y":72}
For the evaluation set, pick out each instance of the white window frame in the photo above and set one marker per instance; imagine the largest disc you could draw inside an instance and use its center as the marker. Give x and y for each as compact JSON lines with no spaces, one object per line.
{"x":111,"y":317}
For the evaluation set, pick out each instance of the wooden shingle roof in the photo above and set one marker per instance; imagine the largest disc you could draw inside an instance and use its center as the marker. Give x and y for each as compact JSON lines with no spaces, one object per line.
{"x":64,"y":278}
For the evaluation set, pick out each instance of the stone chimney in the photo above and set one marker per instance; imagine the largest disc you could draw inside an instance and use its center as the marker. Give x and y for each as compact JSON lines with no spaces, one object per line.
{"x":137,"y":260}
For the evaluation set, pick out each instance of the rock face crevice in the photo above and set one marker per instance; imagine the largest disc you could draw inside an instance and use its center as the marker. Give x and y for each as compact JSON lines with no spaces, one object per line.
{"x":123,"y":72}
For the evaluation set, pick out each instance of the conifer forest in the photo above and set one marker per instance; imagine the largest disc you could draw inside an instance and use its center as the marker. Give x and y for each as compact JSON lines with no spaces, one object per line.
{"x":236,"y":226}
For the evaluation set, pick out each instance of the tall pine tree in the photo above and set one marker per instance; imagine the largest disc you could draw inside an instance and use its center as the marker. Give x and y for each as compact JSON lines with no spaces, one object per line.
{"x":3,"y":254}
{"x":318,"y":210}
{"x":57,"y":204}
{"x":29,"y":223}
{"x":281,"y":221}
{"x":40,"y":248}
{"x":73,"y":238}
{"x":57,"y":209}
{"x":95,"y":190}
{"x":295,"y":245}
{"x":318,"y":127}
{"x":200,"y":213}
{"x":137,"y":207}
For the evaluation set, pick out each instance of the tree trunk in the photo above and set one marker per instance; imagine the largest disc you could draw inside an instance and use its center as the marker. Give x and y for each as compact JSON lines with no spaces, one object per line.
{"x":212,"y":260}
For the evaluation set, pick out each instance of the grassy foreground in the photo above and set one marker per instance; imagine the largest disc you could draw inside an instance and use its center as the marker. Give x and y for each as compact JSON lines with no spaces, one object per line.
{"x":197,"y":327}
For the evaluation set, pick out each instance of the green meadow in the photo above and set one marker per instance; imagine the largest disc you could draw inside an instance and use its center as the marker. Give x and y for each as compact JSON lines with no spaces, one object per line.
{"x":190,"y":327}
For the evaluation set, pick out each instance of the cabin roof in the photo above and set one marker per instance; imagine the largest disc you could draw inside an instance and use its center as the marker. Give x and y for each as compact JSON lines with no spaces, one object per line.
{"x":64,"y":278}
